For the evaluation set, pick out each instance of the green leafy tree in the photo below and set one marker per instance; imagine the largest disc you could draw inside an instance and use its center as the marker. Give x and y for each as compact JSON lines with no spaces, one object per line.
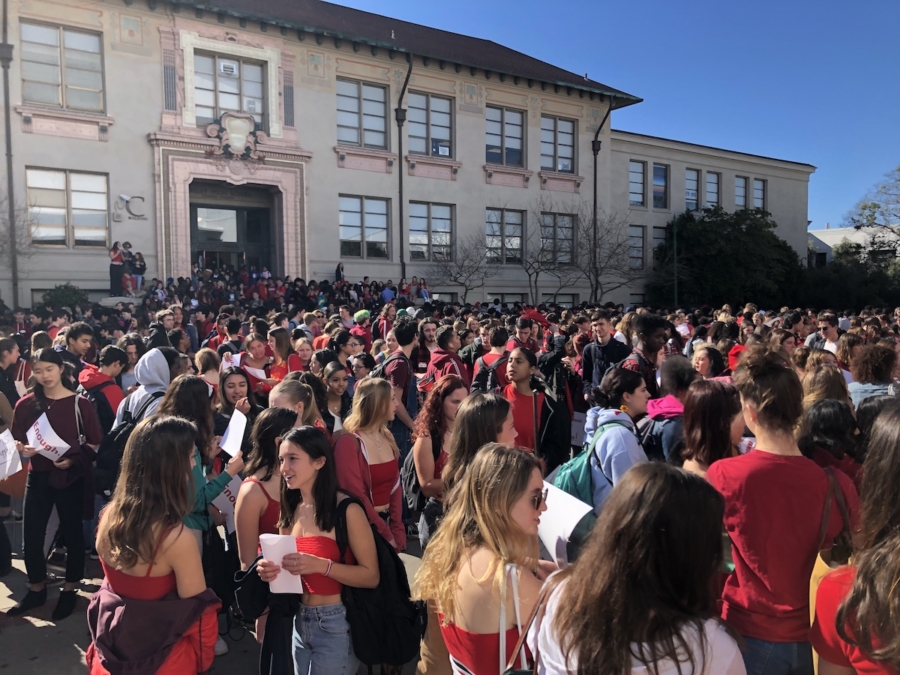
{"x":879,"y":210}
{"x":65,"y":295}
{"x":851,"y":280}
{"x":725,"y":257}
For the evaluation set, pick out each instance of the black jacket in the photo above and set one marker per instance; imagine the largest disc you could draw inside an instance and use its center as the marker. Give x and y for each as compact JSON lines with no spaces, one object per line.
{"x":346,"y":405}
{"x":157,"y":337}
{"x":597,"y":359}
{"x":555,"y":433}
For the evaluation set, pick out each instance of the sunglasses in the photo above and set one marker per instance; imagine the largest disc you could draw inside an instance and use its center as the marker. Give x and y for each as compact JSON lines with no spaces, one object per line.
{"x":539,"y":498}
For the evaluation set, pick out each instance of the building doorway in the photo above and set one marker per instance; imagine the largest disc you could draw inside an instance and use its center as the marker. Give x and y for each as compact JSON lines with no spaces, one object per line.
{"x":231,"y":228}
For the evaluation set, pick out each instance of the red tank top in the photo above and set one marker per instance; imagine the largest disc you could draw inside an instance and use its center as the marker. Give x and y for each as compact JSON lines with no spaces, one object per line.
{"x":323,"y":547}
{"x":479,"y":652}
{"x":140,"y":588}
{"x":384,"y":478}
{"x":268,"y":521}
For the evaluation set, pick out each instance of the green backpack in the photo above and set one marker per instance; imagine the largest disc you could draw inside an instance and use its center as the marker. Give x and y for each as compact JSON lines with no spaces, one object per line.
{"x":575,"y":478}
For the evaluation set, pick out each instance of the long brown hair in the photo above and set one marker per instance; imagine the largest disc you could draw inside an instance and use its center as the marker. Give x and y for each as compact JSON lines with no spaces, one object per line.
{"x":154,"y":491}
{"x":479,"y":421}
{"x":709,"y":409}
{"x":430,"y":420}
{"x":867,"y":616}
{"x":189,"y":397}
{"x":641,"y":585}
{"x":270,"y":425}
{"x":371,"y":403}
{"x":774,"y":390}
{"x":479,"y":517}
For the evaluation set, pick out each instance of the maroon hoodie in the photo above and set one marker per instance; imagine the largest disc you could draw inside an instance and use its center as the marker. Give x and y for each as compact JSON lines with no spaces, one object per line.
{"x":447,"y":363}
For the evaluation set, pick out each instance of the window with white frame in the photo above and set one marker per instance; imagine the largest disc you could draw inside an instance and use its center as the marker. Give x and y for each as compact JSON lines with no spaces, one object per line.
{"x":362,"y":114}
{"x":557,"y":238}
{"x":557,"y":144}
{"x":504,"y":131}
{"x":712,"y":189}
{"x":228,"y":84}
{"x":636,"y":247}
{"x":430,"y":125}
{"x":691,"y":189}
{"x":660,"y":186}
{"x":67,"y":208}
{"x":506,"y":298}
{"x":740,"y":192}
{"x":759,"y":193}
{"x":430,"y":231}
{"x":504,"y":231}
{"x":62,"y":67}
{"x":636,"y":177}
{"x":364,"y":227}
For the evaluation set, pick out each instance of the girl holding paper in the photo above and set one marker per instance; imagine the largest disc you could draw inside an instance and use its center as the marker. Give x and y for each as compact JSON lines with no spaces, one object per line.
{"x":190,"y":397}
{"x":255,"y":362}
{"x":236,"y":393}
{"x":309,"y":510}
{"x":61,"y":483}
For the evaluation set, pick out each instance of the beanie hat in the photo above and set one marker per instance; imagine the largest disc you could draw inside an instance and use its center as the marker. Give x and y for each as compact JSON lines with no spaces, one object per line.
{"x":361,"y":316}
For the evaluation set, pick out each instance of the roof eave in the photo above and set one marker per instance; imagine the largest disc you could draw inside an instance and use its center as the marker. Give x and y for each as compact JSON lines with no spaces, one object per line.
{"x":624,"y":99}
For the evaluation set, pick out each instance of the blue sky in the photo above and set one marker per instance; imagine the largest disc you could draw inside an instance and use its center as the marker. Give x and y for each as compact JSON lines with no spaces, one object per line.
{"x":812,"y":81}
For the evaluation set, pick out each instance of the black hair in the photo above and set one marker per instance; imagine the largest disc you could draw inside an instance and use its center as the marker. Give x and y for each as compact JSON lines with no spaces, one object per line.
{"x":233,"y":325}
{"x":645,"y":324}
{"x":77,"y":330}
{"x":866,"y":412}
{"x":367,"y":360}
{"x":444,"y":336}
{"x":50,"y":355}
{"x":498,"y":336}
{"x":405,"y":330}
{"x":316,"y":445}
{"x":524,"y":322}
{"x":616,"y":383}
{"x":339,"y":339}
{"x":269,"y":425}
{"x":676,"y":374}
{"x":324,"y":356}
{"x":828,"y":425}
{"x":110,"y":355}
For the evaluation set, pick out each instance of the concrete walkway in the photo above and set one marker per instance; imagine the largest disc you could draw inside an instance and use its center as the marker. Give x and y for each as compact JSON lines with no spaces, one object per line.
{"x":34,"y":645}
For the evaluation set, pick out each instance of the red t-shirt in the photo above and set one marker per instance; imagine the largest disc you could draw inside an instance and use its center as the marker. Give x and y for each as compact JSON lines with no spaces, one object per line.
{"x":500,"y":371}
{"x":397,"y":372}
{"x":523,"y":415}
{"x":773,"y":513}
{"x":824,"y":636}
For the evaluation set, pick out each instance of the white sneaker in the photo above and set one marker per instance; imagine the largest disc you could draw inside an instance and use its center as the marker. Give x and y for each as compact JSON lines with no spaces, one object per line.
{"x":221,"y":647}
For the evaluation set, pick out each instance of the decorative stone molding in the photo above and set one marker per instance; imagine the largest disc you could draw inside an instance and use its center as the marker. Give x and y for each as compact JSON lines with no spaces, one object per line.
{"x":560,"y":182}
{"x":65,"y":123}
{"x":364,"y":159}
{"x":191,"y":41}
{"x":238,"y":136}
{"x":497,"y":174}
{"x":425,"y":166}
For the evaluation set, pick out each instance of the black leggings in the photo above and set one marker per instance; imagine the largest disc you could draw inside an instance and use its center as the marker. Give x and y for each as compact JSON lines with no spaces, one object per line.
{"x":40,"y":498}
{"x":115,"y":279}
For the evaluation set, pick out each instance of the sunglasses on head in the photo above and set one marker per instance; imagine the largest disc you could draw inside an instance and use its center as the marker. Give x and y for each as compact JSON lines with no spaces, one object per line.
{"x":539,"y":498}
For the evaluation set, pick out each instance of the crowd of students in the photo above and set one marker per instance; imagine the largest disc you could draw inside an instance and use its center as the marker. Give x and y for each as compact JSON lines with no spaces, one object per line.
{"x":724,"y":454}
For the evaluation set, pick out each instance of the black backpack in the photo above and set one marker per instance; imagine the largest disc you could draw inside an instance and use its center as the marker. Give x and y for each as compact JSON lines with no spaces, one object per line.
{"x":409,"y":479}
{"x":378,"y":371}
{"x":386,"y":626}
{"x":112,"y":448}
{"x":105,"y":413}
{"x":486,"y":379}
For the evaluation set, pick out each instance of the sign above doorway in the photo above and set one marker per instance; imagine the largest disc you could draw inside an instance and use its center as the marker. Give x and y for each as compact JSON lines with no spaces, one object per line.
{"x":238,"y":135}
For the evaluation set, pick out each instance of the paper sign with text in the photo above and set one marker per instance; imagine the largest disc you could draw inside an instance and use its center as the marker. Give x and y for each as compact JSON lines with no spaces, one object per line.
{"x":45,"y":440}
{"x":226,"y":501}
{"x":274,"y":548}
{"x":234,"y":434}
{"x":258,"y":373}
{"x":10,"y":462}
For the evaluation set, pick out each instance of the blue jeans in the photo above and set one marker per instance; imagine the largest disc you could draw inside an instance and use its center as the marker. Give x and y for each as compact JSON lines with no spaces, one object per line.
{"x":321,"y":643}
{"x":778,"y":658}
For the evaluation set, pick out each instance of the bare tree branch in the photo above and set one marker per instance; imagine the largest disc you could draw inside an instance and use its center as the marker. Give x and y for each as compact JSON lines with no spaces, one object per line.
{"x":879,"y":210}
{"x":467,"y":267}
{"x":22,"y":224}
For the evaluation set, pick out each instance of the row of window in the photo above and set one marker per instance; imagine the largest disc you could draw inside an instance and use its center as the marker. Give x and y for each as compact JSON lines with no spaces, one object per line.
{"x":364,"y":226}
{"x":694,"y":197}
{"x":63,"y":67}
{"x":637,"y":244}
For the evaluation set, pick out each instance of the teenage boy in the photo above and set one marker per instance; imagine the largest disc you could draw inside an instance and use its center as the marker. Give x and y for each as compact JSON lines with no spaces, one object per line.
{"x":79,"y":339}
{"x":445,"y":360}
{"x":101,"y":381}
{"x":651,"y":336}
{"x":599,"y":355}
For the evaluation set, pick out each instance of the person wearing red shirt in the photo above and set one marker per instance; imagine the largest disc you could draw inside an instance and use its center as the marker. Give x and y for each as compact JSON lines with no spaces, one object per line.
{"x":482,"y":379}
{"x":445,"y":360}
{"x":856,"y":605}
{"x":363,"y":328}
{"x":112,"y":362}
{"x":774,"y":502}
{"x":522,"y":338}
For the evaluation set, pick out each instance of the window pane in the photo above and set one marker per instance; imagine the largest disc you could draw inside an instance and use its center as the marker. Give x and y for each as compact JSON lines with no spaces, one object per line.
{"x":89,"y":218}
{"x":350,"y":233}
{"x":44,"y":197}
{"x":83,"y":60}
{"x":712,"y":189}
{"x":373,"y":93}
{"x":41,"y":93}
{"x":691,"y":183}
{"x":418,"y":145}
{"x":229,"y":85}
{"x":204,"y":64}
{"x":375,"y":139}
{"x":229,"y":101}
{"x":38,"y":53}
{"x":43,"y":34}
{"x":42,"y":235}
{"x":252,"y":72}
{"x":82,"y":41}
{"x":88,"y":200}
{"x":740,"y":191}
{"x":217,"y":225}
{"x":351,"y":249}
{"x":636,"y":183}
{"x":84,"y":79}
{"x":253,"y":89}
{"x":88,"y":236}
{"x":346,"y":88}
{"x":47,"y":216}
{"x":40,"y":72}
{"x":84,"y":100}
{"x":87,"y":182}
{"x":204,"y":98}
{"x":376,"y":250}
{"x":759,"y":193}
{"x":660,"y":186}
{"x":54,"y":180}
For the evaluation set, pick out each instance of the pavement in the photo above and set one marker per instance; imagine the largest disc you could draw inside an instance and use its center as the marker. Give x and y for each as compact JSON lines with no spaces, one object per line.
{"x":35,"y":645}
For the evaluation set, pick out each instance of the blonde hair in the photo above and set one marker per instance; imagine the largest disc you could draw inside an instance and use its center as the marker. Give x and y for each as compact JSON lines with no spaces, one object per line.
{"x":298,"y":392}
{"x":479,"y":517}
{"x":823,"y":382}
{"x":206,"y":359}
{"x":371,"y":405}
